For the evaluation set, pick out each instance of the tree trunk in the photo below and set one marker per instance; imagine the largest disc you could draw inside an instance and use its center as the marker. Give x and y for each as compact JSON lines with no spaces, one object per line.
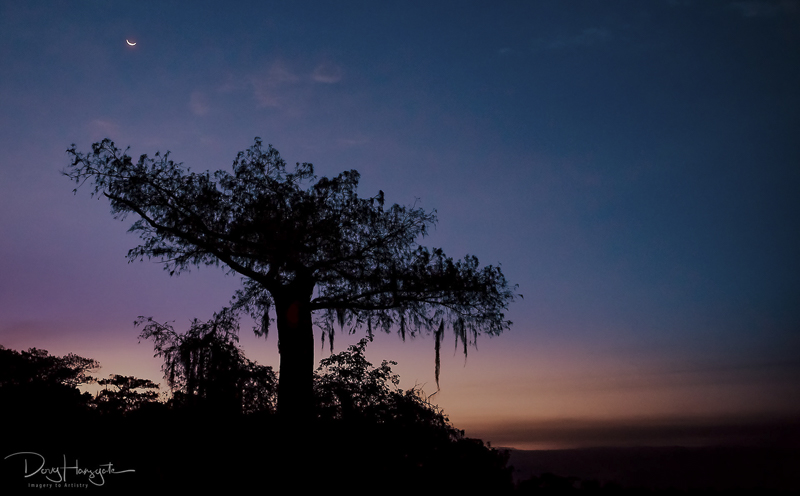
{"x":296,"y":348}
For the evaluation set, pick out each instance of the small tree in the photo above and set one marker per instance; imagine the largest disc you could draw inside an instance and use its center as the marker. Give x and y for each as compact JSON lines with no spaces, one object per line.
{"x":399,"y":436}
{"x":205,"y":366}
{"x":350,"y":388}
{"x":126,"y":393}
{"x":303,"y":244}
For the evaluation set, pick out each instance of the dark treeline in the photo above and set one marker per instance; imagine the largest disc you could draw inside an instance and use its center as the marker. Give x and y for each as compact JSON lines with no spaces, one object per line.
{"x":219,"y":428}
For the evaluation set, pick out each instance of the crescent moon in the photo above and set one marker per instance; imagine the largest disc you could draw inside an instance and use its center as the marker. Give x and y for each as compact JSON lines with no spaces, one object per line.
{"x":129,"y":43}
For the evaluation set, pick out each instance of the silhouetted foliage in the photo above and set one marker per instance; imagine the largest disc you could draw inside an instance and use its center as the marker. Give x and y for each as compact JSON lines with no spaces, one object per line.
{"x":125,"y":394}
{"x":303,"y":244}
{"x":369,"y":435}
{"x":205,"y":366}
{"x":37,"y":366}
{"x":399,"y":438}
{"x":34,"y":381}
{"x":350,"y":388}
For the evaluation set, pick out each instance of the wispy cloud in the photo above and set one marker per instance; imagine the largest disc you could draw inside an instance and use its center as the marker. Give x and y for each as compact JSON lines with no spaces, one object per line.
{"x":232,"y":83}
{"x":267,"y":85}
{"x":327,"y":73}
{"x":198,"y":103}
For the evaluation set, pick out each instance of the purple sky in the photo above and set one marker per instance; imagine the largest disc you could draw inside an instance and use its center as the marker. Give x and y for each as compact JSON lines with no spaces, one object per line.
{"x":634,"y":166}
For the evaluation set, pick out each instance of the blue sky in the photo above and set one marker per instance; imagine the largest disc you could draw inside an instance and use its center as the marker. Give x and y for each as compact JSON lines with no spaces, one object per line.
{"x":632,"y":165}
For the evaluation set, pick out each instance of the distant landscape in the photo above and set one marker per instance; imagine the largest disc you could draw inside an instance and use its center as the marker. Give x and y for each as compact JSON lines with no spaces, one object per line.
{"x":662,"y":468}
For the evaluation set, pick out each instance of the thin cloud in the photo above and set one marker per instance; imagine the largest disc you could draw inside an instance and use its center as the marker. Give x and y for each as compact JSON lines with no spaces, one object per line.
{"x":198,"y":103}
{"x":280,"y":74}
{"x":327,"y":73}
{"x":231,"y":84}
{"x":266,"y":86}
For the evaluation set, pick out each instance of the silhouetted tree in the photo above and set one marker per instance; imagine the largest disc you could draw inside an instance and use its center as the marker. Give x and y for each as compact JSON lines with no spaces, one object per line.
{"x":38,"y":366}
{"x":259,"y":388}
{"x":206,"y":366}
{"x":399,"y":438}
{"x":34,"y":381}
{"x":348,"y":386}
{"x":126,"y":393}
{"x":303,"y":244}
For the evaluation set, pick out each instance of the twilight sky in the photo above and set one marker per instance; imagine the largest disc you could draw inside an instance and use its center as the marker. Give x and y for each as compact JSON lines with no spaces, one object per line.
{"x":634,"y":166}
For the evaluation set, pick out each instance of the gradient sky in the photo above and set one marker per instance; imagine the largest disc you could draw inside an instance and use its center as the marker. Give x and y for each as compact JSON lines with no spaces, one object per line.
{"x":634,"y":166}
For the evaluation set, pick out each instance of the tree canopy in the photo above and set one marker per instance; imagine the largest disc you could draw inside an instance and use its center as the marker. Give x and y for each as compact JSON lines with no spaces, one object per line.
{"x":124,"y":393}
{"x":304,"y":244}
{"x":37,"y":366}
{"x":35,"y":382}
